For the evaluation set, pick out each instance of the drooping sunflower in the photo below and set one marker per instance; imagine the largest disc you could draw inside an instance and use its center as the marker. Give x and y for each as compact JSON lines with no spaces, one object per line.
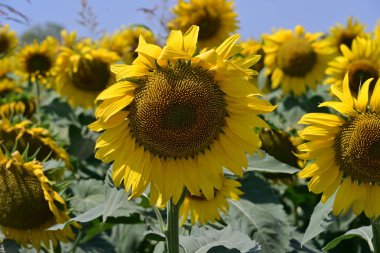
{"x":345,"y":150}
{"x":83,"y":72}
{"x":345,"y":35}
{"x":36,"y":140}
{"x":29,"y":205}
{"x":361,"y":62}
{"x":37,"y":61}
{"x":204,"y":210}
{"x":216,"y":20}
{"x":173,"y":120}
{"x":296,"y":61}
{"x":125,"y":41}
{"x":8,"y":40}
{"x":13,"y":101}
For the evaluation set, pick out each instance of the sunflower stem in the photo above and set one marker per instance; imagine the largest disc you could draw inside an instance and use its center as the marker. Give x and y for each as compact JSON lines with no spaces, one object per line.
{"x":172,"y":229}
{"x":376,"y":234}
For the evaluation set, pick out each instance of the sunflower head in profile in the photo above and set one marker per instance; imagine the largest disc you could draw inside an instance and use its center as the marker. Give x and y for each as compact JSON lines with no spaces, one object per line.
{"x":8,"y":40}
{"x":345,"y":35}
{"x":29,"y":205}
{"x":361,"y":62}
{"x":345,"y":150}
{"x":83,"y":72}
{"x":13,"y":101}
{"x":216,"y":19}
{"x":203,"y":210}
{"x":174,"y":120}
{"x":295,"y":60}
{"x":281,"y":145}
{"x":34,"y":140}
{"x":125,"y":41}
{"x":37,"y":60}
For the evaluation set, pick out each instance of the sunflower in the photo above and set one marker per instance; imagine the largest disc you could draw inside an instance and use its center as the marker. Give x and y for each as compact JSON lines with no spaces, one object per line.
{"x":36,"y":140}
{"x":281,"y":145}
{"x":253,"y":47}
{"x":345,"y":35}
{"x":125,"y":41}
{"x":216,"y":19}
{"x":296,"y":61}
{"x":7,"y":67}
{"x":13,"y":101}
{"x":362,"y":62}
{"x":377,"y":32}
{"x":178,"y":118}
{"x":344,"y":150}
{"x":205,"y":210}
{"x":37,"y":61}
{"x":8,"y":40}
{"x":83,"y":72}
{"x":29,"y":205}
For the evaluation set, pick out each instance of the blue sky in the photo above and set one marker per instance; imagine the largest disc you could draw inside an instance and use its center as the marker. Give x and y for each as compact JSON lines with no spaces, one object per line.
{"x":256,"y":17}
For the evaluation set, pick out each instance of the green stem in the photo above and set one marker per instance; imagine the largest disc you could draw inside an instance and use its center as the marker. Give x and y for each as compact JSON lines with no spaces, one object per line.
{"x":172,"y":229}
{"x":376,"y":234}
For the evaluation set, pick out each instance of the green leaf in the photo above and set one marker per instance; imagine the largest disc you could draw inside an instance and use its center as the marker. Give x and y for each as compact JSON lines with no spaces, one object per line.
{"x":320,"y":220}
{"x":127,"y":238}
{"x":204,"y":239}
{"x":269,"y":164}
{"x":265,"y":223}
{"x":84,"y":217}
{"x":363,"y":232}
{"x":155,"y":235}
{"x":87,"y":195}
{"x":261,"y":192}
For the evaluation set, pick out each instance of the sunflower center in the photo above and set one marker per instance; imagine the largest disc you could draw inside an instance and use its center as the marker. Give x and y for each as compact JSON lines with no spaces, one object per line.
{"x":357,"y":148}
{"x":208,"y":26}
{"x":38,"y":63}
{"x":4,"y":44}
{"x":347,"y":39}
{"x":296,"y":57}
{"x":359,"y":72}
{"x":177,"y":112}
{"x":22,"y":201}
{"x":92,"y":75}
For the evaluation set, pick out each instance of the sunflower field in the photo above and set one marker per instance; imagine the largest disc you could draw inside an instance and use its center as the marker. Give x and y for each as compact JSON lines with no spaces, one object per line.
{"x":191,"y":140}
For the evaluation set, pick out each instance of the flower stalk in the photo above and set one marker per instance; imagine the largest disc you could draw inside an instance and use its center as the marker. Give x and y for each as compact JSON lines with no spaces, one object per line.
{"x":376,"y":234}
{"x":172,"y":228}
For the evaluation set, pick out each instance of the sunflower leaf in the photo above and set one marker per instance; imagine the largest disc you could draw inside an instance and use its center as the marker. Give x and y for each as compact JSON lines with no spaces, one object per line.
{"x":320,"y":220}
{"x":265,"y":223}
{"x":87,"y":194}
{"x":363,"y":232}
{"x":204,"y":239}
{"x":269,"y":164}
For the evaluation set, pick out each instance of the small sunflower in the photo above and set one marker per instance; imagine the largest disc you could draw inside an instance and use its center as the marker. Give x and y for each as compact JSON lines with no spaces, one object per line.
{"x":345,"y":35}
{"x":125,"y":41}
{"x":205,"y":210}
{"x":296,"y":60}
{"x":179,"y":118}
{"x":216,"y":19}
{"x":29,"y":205}
{"x":83,"y":72}
{"x":361,"y":62}
{"x":8,"y":40}
{"x":253,"y":47}
{"x":8,"y":86}
{"x":36,"y":140}
{"x":345,"y":150}
{"x":37,"y":61}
